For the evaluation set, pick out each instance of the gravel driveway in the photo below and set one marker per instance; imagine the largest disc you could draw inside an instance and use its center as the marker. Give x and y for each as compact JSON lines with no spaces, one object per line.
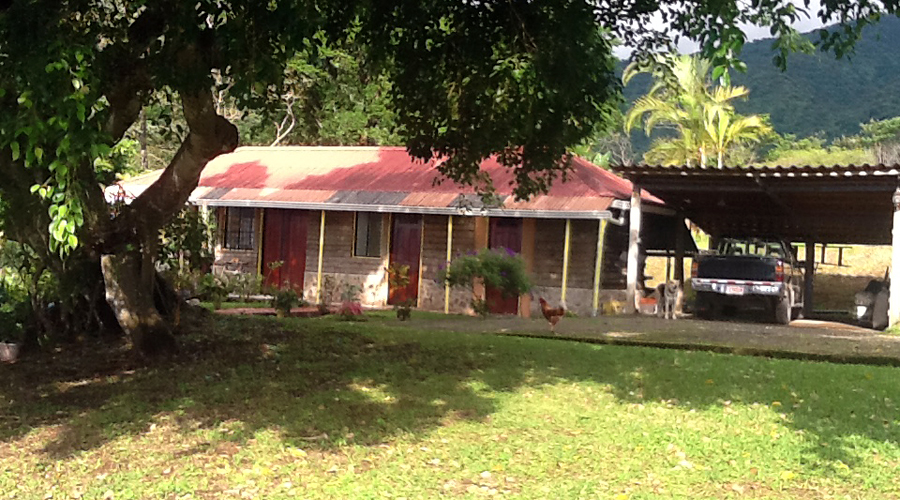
{"x":803,"y":339}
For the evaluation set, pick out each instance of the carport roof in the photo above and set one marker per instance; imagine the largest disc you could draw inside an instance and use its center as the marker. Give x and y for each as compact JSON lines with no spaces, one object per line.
{"x":828,"y":204}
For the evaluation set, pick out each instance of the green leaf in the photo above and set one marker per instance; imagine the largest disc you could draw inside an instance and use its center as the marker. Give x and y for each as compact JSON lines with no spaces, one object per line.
{"x":14,"y":146}
{"x":73,"y":241}
{"x":38,"y":153}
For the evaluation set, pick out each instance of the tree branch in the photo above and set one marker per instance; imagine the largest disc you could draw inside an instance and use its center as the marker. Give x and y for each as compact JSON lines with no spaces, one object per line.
{"x":280,"y":132}
{"x":210,"y":135}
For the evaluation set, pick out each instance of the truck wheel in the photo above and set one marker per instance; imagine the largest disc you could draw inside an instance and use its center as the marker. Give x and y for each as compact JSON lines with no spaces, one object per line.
{"x":783,"y":310}
{"x":703,"y":305}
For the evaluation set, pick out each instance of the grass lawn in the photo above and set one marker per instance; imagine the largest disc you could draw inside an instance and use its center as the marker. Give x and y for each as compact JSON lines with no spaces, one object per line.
{"x":318,"y":408}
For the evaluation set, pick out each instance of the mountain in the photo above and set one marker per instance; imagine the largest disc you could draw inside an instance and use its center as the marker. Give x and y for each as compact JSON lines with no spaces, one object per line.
{"x":817,"y":93}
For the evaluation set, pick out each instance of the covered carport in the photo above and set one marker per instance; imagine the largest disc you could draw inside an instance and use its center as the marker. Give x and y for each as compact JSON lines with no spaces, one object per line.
{"x":825,"y":205}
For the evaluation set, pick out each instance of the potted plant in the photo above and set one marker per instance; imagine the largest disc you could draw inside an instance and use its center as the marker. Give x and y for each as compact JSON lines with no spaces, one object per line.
{"x":398,"y":279}
{"x":404,"y":309}
{"x":12,"y":318}
{"x":283,"y":300}
{"x":351,"y":309}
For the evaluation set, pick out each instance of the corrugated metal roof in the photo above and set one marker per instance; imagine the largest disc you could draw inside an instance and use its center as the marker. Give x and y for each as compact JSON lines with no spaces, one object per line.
{"x":760,"y":170}
{"x":356,"y":176}
{"x":827,"y":204}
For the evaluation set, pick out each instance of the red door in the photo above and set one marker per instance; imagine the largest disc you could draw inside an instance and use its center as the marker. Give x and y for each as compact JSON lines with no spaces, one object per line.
{"x":505,"y":234}
{"x":284,"y":239}
{"x":406,"y":246}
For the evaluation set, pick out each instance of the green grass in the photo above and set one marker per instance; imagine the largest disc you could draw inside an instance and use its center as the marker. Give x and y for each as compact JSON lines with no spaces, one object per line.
{"x":318,"y":408}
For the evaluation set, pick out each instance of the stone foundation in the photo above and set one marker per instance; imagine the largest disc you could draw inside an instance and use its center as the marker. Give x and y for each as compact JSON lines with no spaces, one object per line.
{"x":578,"y":300}
{"x":374,"y":287}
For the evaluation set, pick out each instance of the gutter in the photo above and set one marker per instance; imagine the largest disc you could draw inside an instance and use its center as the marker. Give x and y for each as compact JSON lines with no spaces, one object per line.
{"x":469,"y":212}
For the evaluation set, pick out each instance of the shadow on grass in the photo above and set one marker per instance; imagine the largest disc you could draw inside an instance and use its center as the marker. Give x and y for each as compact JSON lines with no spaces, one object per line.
{"x":320,"y":380}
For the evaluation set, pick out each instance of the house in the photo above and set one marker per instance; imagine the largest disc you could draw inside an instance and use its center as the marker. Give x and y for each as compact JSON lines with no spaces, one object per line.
{"x":334,"y":216}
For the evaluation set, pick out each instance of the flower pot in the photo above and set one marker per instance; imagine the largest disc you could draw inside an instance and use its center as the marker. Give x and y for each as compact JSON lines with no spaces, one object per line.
{"x":8,"y":352}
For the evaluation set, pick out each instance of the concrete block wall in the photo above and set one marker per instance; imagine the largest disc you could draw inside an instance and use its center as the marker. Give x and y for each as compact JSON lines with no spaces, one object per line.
{"x":434,"y":256}
{"x":549,"y":243}
{"x":339,"y":262}
{"x":244,"y":261}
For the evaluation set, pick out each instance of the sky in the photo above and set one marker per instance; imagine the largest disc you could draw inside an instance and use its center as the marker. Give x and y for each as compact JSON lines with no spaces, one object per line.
{"x":753,"y":32}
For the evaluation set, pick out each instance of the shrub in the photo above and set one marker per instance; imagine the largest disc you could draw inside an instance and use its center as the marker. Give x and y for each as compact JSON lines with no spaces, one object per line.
{"x":501,"y":269}
{"x":15,"y":310}
{"x":350,"y":309}
{"x":284,"y":299}
{"x":214,"y":288}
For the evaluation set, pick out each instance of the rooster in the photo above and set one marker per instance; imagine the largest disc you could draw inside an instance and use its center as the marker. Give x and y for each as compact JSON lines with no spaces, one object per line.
{"x":553,"y":314}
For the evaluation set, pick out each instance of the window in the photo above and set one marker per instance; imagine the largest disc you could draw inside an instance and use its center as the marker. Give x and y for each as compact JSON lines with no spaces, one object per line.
{"x":239,"y":233}
{"x":367,"y":240}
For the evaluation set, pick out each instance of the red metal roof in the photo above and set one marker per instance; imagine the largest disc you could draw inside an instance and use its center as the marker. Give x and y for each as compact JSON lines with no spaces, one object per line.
{"x":300,"y":174}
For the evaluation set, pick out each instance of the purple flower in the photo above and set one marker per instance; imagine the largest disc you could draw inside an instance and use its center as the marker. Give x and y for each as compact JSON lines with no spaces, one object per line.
{"x":471,"y":252}
{"x":502,"y":274}
{"x":510,"y":252}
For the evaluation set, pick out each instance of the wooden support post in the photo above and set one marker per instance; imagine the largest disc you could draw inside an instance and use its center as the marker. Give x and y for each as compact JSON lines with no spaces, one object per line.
{"x":319,"y":295}
{"x":447,"y":263}
{"x":598,"y":266}
{"x":679,"y":260}
{"x":528,"y":231}
{"x":823,"y":253}
{"x":566,"y":250}
{"x":894,"y":297}
{"x":810,"y":272}
{"x":260,"y":236}
{"x":634,"y":234}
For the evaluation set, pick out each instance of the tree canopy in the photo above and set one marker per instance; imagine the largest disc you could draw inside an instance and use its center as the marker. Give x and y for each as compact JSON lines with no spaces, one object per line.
{"x":702,"y":114}
{"x":520,"y":79}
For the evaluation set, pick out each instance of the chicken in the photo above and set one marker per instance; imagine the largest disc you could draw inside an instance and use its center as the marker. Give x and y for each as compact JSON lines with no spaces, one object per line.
{"x":553,"y":314}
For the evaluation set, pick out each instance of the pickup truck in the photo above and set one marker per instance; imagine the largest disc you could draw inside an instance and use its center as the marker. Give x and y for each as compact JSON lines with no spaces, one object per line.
{"x":749,"y":273}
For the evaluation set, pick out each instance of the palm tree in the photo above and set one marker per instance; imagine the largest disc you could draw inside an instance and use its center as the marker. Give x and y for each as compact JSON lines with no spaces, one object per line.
{"x":683,"y":99}
{"x":724,"y":128}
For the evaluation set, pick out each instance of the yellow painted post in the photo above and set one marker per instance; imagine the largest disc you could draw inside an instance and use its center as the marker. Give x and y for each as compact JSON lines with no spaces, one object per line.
{"x":447,"y":263}
{"x":482,"y":239}
{"x":601,"y":233}
{"x":565,"y":270}
{"x":319,"y":296}
{"x":421,"y":257}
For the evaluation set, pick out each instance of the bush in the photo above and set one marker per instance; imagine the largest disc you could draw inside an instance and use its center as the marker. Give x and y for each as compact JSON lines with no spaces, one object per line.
{"x":284,"y":299}
{"x":497,"y":268}
{"x":214,"y":288}
{"x":15,"y":311}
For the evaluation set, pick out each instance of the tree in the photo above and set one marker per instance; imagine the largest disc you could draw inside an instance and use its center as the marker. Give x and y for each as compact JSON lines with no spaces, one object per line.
{"x":523,"y":80}
{"x":702,"y":115}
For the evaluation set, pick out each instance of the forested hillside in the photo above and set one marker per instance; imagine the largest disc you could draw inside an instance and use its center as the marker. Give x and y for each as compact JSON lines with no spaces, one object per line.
{"x":817,"y":93}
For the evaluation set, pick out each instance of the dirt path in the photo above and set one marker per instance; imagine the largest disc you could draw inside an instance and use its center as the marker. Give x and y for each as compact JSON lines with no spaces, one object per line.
{"x":803,"y":339}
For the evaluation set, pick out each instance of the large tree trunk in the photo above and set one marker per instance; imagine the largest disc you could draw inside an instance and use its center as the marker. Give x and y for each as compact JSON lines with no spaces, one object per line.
{"x":130,"y":246}
{"x":133,"y":304}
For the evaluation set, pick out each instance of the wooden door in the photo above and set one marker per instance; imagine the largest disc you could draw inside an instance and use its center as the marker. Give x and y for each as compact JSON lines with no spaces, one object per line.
{"x":505,"y":234}
{"x":284,"y":239}
{"x":406,"y":248}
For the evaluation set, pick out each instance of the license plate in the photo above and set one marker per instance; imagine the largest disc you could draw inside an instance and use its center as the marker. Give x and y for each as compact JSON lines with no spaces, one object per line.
{"x":734,"y":290}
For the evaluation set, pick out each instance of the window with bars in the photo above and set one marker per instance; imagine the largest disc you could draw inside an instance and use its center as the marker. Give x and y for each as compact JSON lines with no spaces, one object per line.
{"x":239,"y":234}
{"x":367,"y":239}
